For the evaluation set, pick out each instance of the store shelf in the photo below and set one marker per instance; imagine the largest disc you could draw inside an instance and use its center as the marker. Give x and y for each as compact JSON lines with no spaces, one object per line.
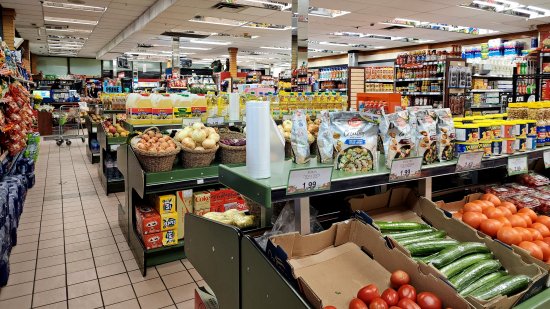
{"x":422,"y":93}
{"x":379,"y":81}
{"x":345,"y":79}
{"x":418,"y":64}
{"x":487,"y":90}
{"x":114,"y":111}
{"x":162,"y":126}
{"x":419,"y":79}
{"x":485,"y":106}
{"x":492,"y":76}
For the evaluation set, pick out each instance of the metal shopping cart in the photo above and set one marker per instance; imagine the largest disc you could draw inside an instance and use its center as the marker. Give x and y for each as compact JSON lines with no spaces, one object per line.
{"x":69,"y":124}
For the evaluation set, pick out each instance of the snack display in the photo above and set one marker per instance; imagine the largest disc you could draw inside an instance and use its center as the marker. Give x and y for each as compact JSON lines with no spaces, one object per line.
{"x":397,"y":134}
{"x":426,"y":142}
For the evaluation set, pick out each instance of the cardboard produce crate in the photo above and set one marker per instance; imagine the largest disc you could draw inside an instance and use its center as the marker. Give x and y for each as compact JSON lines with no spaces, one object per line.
{"x":453,"y":207}
{"x":403,"y":204}
{"x":331,"y":266}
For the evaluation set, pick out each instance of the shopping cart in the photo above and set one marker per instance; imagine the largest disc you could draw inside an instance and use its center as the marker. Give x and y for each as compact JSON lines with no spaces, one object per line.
{"x":70,"y":124}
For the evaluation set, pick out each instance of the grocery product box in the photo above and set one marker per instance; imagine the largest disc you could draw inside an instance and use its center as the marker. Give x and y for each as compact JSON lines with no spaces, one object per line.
{"x":205,"y":298}
{"x":152,"y":241}
{"x":403,"y":204}
{"x":455,"y":206}
{"x":170,"y":237}
{"x":331,"y":266}
{"x":166,"y":203}
{"x":147,"y":220}
{"x":184,"y":205}
{"x":201,"y":202}
{"x":225,"y":199}
{"x":169,"y":221}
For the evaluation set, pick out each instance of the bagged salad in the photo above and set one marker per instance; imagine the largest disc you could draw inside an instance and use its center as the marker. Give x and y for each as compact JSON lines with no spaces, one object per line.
{"x":397,"y":134}
{"x":355,"y":141}
{"x":446,"y":134}
{"x":425,"y":123}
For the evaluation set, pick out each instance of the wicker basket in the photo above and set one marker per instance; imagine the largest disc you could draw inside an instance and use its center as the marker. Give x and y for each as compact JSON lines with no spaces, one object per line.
{"x":154,"y":162}
{"x":197,"y":158}
{"x":232,"y":154}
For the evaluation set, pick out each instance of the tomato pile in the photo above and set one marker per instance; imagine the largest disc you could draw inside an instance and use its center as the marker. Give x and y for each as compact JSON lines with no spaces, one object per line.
{"x":503,"y":221}
{"x":401,"y":295}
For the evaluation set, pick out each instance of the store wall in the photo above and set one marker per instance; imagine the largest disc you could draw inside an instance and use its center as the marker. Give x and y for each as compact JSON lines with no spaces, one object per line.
{"x":85,"y":66}
{"x":62,"y":66}
{"x":52,"y":65}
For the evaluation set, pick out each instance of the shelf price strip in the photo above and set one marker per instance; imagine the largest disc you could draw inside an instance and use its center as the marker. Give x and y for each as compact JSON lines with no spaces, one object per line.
{"x":517,"y":165}
{"x":546,"y":157}
{"x":404,"y":169}
{"x":215,"y":121}
{"x":469,"y":161}
{"x":309,"y":180}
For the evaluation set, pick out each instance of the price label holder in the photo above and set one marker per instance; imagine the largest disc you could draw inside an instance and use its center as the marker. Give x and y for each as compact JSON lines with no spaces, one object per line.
{"x":114,"y":147}
{"x":404,"y":169}
{"x":309,"y":180}
{"x":287,"y":117}
{"x":190,"y":121}
{"x":517,"y":165}
{"x":94,"y":129}
{"x":546,"y":157}
{"x":215,"y":121}
{"x":469,"y":161}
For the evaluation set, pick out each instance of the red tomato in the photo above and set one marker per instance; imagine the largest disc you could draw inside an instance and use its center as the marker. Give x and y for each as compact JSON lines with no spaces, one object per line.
{"x":504,"y":221}
{"x":534,"y":250}
{"x":510,"y":207}
{"x":530,"y":213}
{"x":505,"y":211}
{"x":395,"y":307}
{"x":406,"y":303}
{"x":472,"y":218}
{"x":407,"y":291}
{"x":535,"y":234}
{"x":490,"y":227}
{"x":427,"y":300}
{"x":378,"y":303}
{"x":509,"y":235}
{"x":544,"y":220}
{"x":491,"y":198}
{"x":525,"y":217}
{"x":517,"y":220}
{"x":356,"y":303}
{"x":525,"y":234}
{"x":545,"y":249}
{"x":472,"y":207}
{"x":368,"y":293}
{"x":399,"y":277}
{"x":329,"y":307}
{"x":390,"y":296}
{"x":543,"y":229}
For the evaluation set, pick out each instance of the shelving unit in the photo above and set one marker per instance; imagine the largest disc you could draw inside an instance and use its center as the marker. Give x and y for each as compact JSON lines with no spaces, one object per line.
{"x":227,"y":257}
{"x":91,"y":127}
{"x":107,"y":148}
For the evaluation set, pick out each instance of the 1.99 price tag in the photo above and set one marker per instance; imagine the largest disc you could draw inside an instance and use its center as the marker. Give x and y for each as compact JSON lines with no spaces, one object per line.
{"x":309,"y":180}
{"x":517,"y":165}
{"x":403,"y":169}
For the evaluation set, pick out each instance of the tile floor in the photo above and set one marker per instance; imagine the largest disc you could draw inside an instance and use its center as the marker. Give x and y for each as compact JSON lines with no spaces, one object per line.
{"x":71,"y":252}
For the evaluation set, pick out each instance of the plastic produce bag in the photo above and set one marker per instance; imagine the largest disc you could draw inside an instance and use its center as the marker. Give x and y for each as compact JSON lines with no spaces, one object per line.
{"x":285,"y":223}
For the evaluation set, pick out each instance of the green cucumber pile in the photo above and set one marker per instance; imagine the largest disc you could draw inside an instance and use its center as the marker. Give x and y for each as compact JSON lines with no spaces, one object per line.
{"x":469,"y":266}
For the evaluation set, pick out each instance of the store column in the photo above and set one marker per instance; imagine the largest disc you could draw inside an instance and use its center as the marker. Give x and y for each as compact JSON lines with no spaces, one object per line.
{"x":233,"y":61}
{"x":175,"y":57}
{"x":26,"y":56}
{"x":353,"y":58}
{"x":299,"y":47}
{"x":8,"y":27}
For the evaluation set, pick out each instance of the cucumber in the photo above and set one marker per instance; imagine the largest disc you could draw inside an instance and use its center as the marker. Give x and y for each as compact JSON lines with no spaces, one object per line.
{"x":427,"y":247}
{"x":413,"y":239}
{"x":462,"y":263}
{"x":507,"y":285}
{"x":453,"y":253}
{"x":473,"y":273}
{"x":482,"y":282}
{"x":425,"y":259}
{"x":406,"y":234}
{"x":400,"y":225}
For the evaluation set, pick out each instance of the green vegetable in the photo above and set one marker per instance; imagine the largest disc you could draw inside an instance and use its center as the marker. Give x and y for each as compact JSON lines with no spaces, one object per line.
{"x":455,"y":252}
{"x":482,"y":282}
{"x":462,"y":263}
{"x":427,"y":247}
{"x":424,"y":237}
{"x":507,"y":285}
{"x":473,"y":273}
{"x":400,"y":225}
{"x":426,"y":259}
{"x":406,"y":234}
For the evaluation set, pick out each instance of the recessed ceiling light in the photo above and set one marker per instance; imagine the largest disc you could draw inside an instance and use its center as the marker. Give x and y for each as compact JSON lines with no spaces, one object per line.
{"x":378,"y":37}
{"x":237,"y":23}
{"x":70,"y":20}
{"x":403,"y":22}
{"x":195,"y":48}
{"x":209,"y":42}
{"x":510,"y":8}
{"x":275,"y":47}
{"x":71,"y":6}
{"x":71,"y":30}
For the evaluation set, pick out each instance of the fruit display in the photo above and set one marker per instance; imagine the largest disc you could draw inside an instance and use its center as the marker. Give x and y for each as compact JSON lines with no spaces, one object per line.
{"x":198,"y":137}
{"x":115,"y":130}
{"x":312,"y":127}
{"x":464,"y":264}
{"x":512,"y":224}
{"x":156,"y":143}
{"x":95,"y":118}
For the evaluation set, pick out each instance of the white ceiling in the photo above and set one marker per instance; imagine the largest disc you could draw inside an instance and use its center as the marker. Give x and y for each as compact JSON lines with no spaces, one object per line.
{"x":364,"y":13}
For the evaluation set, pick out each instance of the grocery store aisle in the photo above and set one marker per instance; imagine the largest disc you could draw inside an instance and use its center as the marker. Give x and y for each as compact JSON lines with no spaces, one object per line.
{"x":71,"y":252}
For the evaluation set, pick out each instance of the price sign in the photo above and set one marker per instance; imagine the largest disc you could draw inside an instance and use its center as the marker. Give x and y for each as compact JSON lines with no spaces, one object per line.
{"x":469,"y":161}
{"x":215,"y":121}
{"x":287,"y":117}
{"x":546,"y":157}
{"x":309,"y":180}
{"x":94,"y":129}
{"x":113,"y":89}
{"x":114,"y":147}
{"x":190,"y":121}
{"x":408,"y":168}
{"x":517,"y":165}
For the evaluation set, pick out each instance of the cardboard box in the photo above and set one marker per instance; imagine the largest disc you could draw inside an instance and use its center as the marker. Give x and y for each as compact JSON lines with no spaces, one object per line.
{"x":170,"y":237}
{"x":169,"y":221}
{"x":147,"y":220}
{"x":403,"y":204}
{"x":225,"y":199}
{"x":453,"y":207}
{"x":331,"y":266}
{"x":205,"y":299}
{"x":201,"y":202}
{"x":184,"y":205}
{"x":152,"y":241}
{"x":166,"y":203}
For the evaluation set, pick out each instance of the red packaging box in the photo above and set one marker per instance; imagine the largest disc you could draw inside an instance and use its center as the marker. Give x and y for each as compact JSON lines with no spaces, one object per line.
{"x":225,"y":199}
{"x":152,"y":241}
{"x":147,"y":221}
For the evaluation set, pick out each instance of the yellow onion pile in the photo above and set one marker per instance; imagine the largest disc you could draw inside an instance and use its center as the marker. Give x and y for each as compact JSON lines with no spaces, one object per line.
{"x":198,"y":137}
{"x":156,"y":143}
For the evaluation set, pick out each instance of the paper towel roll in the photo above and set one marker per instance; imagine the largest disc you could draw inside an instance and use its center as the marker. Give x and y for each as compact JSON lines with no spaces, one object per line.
{"x":258,"y":162}
{"x":234,"y":107}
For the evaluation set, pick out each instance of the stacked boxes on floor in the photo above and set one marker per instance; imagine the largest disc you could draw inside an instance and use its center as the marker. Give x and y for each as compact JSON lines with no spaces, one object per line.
{"x":158,"y":226}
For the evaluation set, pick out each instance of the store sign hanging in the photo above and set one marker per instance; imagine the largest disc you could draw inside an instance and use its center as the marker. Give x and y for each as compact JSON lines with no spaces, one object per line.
{"x":517,"y":165}
{"x":546,"y":157}
{"x":309,"y":180}
{"x":404,"y":169}
{"x":469,"y":161}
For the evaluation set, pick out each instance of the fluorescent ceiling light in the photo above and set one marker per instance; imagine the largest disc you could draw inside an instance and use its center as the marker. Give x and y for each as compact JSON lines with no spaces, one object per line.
{"x":71,"y":6}
{"x":224,"y":56}
{"x":333,"y":43}
{"x":321,"y":12}
{"x":275,"y":47}
{"x":209,"y":42}
{"x":402,"y":22}
{"x":71,"y":30}
{"x":70,"y":20}
{"x":237,"y":23}
{"x":377,"y":37}
{"x":282,"y":6}
{"x":510,"y":8}
{"x":195,"y":48}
